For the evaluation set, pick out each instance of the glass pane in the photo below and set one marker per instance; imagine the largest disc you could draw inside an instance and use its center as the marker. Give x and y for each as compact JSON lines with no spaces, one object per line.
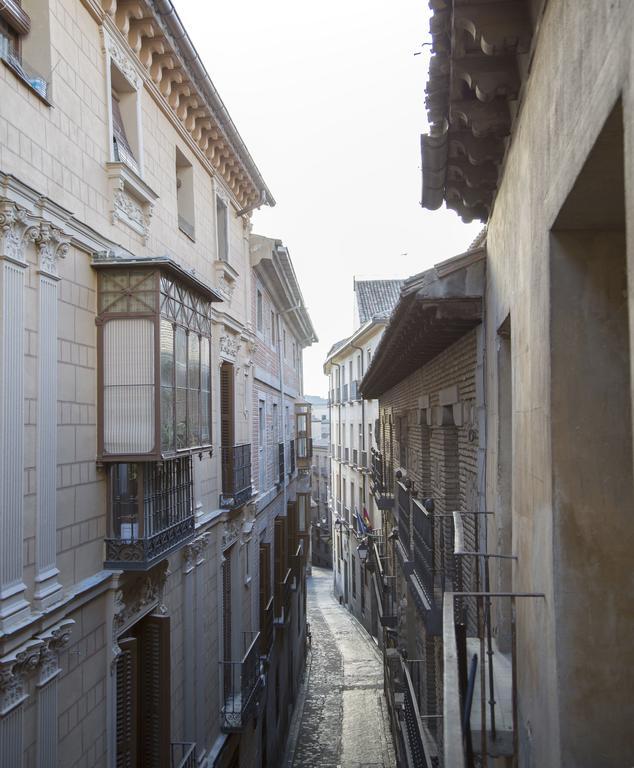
{"x":301,"y":422}
{"x":181,"y":418}
{"x":181,"y":357}
{"x":194,"y":417}
{"x":125,"y":503}
{"x":167,"y":419}
{"x":205,"y":407}
{"x":204,"y":365}
{"x":193,"y":362}
{"x":167,"y":353}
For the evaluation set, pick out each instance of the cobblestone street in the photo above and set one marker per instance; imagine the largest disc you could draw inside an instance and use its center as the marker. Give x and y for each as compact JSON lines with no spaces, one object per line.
{"x":344,"y":720}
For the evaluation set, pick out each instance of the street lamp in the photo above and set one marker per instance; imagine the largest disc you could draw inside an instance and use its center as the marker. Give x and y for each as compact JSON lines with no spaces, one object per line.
{"x":363,"y":551}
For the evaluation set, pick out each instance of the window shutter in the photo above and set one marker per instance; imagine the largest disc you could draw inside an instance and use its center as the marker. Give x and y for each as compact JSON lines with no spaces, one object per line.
{"x":226,"y":404}
{"x":291,"y":517}
{"x":278,"y":563}
{"x":265,"y":578}
{"x":226,"y":621}
{"x":127,"y":705}
{"x":155,"y":684}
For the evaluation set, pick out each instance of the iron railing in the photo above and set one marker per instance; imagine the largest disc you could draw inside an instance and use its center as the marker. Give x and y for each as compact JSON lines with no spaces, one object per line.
{"x":236,"y":475}
{"x":151,"y":513}
{"x":381,"y":481}
{"x":183,"y":754}
{"x":291,"y":455}
{"x":242,"y":680}
{"x":280,"y":460}
{"x":423,"y":535}
{"x":266,"y":627}
{"x":402,"y":500}
{"x":411,"y":742}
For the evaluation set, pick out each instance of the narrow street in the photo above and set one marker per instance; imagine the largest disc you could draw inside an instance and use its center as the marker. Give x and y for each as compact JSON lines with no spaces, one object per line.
{"x":344,"y":719}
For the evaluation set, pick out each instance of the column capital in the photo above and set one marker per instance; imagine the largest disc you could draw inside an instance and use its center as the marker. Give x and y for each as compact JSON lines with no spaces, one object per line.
{"x":14,"y":670}
{"x":16,"y":229}
{"x":52,"y":245}
{"x":54,"y":639}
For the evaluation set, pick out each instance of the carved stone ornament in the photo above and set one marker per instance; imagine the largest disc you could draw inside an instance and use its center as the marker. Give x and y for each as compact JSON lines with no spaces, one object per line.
{"x":14,"y":671}
{"x":231,"y":533}
{"x":193,"y":552}
{"x":137,"y":596}
{"x":52,"y":245}
{"x":229,"y":346}
{"x":123,"y":63}
{"x":128,"y":210}
{"x":226,"y":287}
{"x":54,"y":640}
{"x":16,"y":229}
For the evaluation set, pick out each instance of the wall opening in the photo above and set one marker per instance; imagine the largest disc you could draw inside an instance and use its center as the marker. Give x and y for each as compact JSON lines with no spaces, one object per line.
{"x":591,"y":434}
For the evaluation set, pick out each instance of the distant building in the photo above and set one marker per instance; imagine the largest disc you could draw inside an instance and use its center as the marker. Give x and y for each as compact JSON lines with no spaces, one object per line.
{"x":352,"y":440}
{"x":321,"y":518}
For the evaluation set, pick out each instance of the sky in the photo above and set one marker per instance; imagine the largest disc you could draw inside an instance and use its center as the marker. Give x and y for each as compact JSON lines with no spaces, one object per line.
{"x":329,"y":98}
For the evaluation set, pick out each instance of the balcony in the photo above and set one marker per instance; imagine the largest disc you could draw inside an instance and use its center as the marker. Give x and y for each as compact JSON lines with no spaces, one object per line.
{"x":242,"y":681}
{"x":183,"y":754}
{"x":413,"y":747}
{"x":381,"y":481}
{"x":236,"y":476}
{"x":283,"y":599}
{"x":151,"y":513}
{"x":266,"y":627}
{"x":280,"y":460}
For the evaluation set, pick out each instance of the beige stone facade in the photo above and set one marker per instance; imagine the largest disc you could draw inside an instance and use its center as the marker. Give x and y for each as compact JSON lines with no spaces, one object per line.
{"x":117,"y":161}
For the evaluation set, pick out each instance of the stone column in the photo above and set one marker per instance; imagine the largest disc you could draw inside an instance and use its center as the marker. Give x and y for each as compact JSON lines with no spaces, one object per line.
{"x":52,"y":245}
{"x":15,"y":232}
{"x":54,"y":639}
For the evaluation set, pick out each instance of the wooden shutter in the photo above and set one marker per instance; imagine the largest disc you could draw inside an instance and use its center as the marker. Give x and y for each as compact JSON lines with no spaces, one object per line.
{"x":226,"y":621}
{"x":127,"y":703}
{"x":291,"y":517}
{"x":155,"y":689}
{"x":226,"y":405}
{"x":278,"y":562}
{"x":265,"y":579}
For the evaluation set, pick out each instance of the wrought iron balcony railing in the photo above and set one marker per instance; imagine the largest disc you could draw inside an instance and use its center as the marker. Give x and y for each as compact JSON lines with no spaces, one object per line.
{"x":241,"y":683}
{"x":236,"y":476}
{"x":183,"y":754}
{"x":151,"y":512}
{"x":381,"y":481}
{"x":266,"y":627}
{"x":280,"y":451}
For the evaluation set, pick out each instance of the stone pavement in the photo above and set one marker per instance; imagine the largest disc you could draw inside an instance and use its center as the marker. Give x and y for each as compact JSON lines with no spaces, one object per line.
{"x":341,"y":718}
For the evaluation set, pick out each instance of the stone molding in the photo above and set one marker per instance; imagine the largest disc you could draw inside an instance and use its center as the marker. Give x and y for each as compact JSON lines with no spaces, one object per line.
{"x":229,"y":346}
{"x":39,"y":654}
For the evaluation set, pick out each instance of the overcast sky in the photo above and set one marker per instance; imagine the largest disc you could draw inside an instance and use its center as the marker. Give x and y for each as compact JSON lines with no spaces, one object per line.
{"x":329,"y":98}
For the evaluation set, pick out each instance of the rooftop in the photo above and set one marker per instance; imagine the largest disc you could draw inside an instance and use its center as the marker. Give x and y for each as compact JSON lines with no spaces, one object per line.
{"x":376,"y":298}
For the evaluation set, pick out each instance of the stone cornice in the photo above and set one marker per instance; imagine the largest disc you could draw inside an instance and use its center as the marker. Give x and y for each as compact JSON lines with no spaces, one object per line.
{"x":185,"y":90}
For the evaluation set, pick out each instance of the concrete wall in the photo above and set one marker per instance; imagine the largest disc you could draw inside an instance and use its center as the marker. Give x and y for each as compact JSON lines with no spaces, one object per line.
{"x":581,"y":66}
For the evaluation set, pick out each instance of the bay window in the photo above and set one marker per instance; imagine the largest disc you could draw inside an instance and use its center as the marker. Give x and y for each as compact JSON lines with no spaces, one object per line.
{"x":154,"y":341}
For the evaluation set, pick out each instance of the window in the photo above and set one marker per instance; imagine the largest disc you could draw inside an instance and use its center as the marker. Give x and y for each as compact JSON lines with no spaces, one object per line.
{"x":125,"y":128}
{"x":284,"y":337}
{"x":26,"y":49}
{"x":146,"y":409}
{"x":259,"y":311}
{"x":222,"y":229}
{"x":185,"y":194}
{"x":273,"y":329}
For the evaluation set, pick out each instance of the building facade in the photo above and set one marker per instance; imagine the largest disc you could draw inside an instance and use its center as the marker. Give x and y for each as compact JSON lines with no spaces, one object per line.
{"x":138,"y":562}
{"x":530,"y":107}
{"x":321,"y":522}
{"x":353,"y":421}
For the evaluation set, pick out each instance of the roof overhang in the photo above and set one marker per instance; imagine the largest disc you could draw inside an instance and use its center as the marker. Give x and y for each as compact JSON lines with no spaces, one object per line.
{"x":272,"y":263}
{"x":437,"y":307}
{"x":361,"y":335}
{"x":479,"y":60}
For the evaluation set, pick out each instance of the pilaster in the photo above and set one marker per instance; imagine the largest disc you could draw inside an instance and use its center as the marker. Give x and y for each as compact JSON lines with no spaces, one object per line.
{"x":52,"y":245}
{"x":15,"y":232}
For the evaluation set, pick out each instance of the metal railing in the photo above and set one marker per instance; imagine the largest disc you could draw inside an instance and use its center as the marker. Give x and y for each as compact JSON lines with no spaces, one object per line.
{"x":403,"y":501}
{"x":411,"y":743}
{"x":236,"y":475}
{"x":183,"y":754}
{"x":266,"y":627}
{"x":423,"y":535}
{"x":280,"y":459}
{"x":242,"y":680}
